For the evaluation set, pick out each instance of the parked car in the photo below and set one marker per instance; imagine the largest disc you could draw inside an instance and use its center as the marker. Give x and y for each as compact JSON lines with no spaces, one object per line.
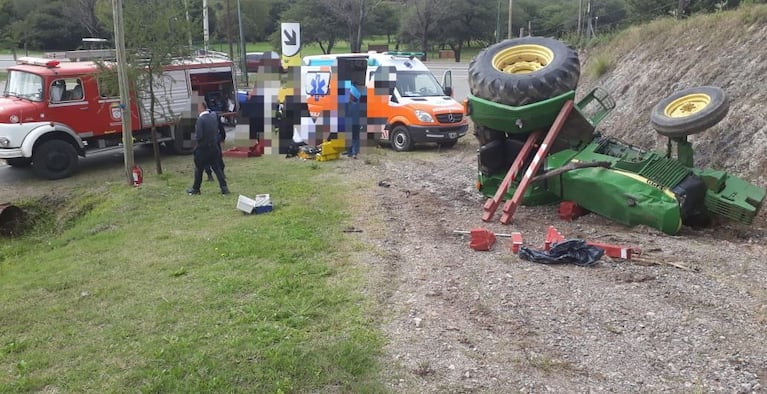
{"x":254,"y":60}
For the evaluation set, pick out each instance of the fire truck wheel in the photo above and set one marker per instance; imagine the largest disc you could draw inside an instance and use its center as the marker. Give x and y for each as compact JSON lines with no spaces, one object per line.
{"x":520,"y":71}
{"x":55,"y":159}
{"x":400,"y":139}
{"x":689,"y":111}
{"x":20,"y":162}
{"x":181,"y":145}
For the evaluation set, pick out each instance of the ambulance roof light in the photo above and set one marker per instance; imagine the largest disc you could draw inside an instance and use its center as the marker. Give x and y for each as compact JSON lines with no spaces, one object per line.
{"x":409,"y":55}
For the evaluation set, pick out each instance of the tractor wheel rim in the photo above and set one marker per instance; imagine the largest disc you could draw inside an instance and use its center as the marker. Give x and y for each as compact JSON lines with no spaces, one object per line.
{"x":523,"y":59}
{"x":687,"y":105}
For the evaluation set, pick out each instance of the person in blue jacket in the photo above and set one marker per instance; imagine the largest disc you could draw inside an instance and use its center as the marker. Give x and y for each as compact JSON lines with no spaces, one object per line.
{"x":352,"y":115}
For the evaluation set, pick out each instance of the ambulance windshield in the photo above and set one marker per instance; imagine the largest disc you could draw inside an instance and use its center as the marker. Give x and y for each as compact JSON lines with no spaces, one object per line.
{"x":418,"y":84}
{"x":24,"y":85}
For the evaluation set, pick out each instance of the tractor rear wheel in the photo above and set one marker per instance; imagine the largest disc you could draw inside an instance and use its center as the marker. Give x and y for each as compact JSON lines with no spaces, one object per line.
{"x":525,"y":70}
{"x":689,"y":111}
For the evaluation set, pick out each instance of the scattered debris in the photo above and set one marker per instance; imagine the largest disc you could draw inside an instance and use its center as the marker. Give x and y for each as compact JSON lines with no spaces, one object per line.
{"x":482,"y":239}
{"x":261,"y":204}
{"x":615,"y":251}
{"x":575,"y":251}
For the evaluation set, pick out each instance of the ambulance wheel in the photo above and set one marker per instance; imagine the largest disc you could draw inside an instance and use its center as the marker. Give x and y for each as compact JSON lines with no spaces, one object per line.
{"x":520,"y":71}
{"x":19,"y":162}
{"x":400,"y":139}
{"x":689,"y":111}
{"x":55,"y":159}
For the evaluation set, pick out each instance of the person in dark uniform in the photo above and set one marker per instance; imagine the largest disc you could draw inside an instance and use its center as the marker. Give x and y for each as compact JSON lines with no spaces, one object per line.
{"x":220,"y":137}
{"x":206,"y":151}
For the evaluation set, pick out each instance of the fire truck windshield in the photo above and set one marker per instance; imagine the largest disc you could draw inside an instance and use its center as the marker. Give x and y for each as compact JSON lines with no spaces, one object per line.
{"x":24,"y":85}
{"x":418,"y":84}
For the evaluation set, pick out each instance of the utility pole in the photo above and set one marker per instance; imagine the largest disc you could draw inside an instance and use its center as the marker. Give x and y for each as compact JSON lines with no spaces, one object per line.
{"x":205,"y":31}
{"x":498,"y":23}
{"x":509,"y":33}
{"x":589,"y":29}
{"x":122,"y":77}
{"x":580,"y":14}
{"x":243,"y":63}
{"x":188,"y":25}
{"x":229,"y":29}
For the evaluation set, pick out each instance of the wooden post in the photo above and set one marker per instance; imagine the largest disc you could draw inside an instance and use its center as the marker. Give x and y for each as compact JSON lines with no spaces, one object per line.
{"x":510,"y":4}
{"x":122,"y":76}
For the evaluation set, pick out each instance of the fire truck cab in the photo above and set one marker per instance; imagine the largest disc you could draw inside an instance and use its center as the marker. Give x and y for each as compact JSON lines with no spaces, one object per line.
{"x":404,"y":104}
{"x":53,"y":111}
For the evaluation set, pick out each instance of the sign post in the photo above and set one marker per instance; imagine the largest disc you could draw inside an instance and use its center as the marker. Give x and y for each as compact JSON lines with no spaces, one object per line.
{"x":291,"y":44}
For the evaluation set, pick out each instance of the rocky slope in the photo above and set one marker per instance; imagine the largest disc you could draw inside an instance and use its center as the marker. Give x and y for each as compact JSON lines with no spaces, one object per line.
{"x":649,"y":63}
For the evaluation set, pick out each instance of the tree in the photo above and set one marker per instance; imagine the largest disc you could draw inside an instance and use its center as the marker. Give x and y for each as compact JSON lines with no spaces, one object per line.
{"x":420,"y":24}
{"x":318,"y":24}
{"x":646,"y":10}
{"x":385,"y":19}
{"x":83,"y":12}
{"x":44,"y":27}
{"x":156,"y":33}
{"x":463,"y":21}
{"x":353,"y":14}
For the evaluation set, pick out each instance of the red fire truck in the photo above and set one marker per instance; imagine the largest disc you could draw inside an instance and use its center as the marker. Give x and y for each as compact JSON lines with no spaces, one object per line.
{"x":53,"y":111}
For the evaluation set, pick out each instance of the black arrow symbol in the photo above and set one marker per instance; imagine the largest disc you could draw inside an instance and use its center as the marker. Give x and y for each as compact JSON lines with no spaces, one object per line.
{"x":291,"y":37}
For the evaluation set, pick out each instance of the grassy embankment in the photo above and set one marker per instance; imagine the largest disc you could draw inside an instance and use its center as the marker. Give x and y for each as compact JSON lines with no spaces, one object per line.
{"x":151,"y":290}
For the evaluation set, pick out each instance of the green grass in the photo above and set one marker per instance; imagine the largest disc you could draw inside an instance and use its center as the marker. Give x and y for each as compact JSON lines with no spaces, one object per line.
{"x":118,"y":289}
{"x":600,"y":65}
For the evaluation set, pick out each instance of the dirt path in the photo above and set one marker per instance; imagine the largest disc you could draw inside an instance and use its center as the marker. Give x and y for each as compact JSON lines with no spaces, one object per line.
{"x":464,"y":321}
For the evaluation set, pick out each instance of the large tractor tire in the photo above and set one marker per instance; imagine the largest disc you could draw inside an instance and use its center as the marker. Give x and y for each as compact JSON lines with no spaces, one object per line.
{"x":525,"y":70}
{"x":689,"y":111}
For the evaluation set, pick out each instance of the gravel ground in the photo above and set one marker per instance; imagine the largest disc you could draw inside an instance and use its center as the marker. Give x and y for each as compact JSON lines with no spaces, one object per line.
{"x":461,"y":321}
{"x":458,"y":320}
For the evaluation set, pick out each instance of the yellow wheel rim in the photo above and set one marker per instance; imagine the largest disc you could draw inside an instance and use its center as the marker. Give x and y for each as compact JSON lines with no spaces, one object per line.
{"x":687,"y":105}
{"x":523,"y":59}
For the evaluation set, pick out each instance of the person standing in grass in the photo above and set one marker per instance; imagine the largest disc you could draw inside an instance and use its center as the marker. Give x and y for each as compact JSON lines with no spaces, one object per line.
{"x":206,"y":151}
{"x":352,"y":115}
{"x":220,"y":137}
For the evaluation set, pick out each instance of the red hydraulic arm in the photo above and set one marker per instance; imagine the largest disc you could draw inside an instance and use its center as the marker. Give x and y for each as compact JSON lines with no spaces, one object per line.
{"x":492,"y":203}
{"x":511,"y":206}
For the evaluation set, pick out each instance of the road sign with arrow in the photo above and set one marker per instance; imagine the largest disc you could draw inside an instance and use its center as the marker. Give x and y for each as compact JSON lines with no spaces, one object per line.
{"x":291,"y":39}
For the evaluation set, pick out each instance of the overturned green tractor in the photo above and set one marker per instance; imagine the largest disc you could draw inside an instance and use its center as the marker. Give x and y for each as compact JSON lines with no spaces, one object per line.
{"x":523,"y":98}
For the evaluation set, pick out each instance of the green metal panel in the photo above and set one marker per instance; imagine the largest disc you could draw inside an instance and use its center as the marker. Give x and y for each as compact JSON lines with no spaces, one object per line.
{"x":732,"y":197}
{"x":517,"y":120}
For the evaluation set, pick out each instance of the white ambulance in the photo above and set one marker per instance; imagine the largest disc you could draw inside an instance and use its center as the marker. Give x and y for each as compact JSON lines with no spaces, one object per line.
{"x":403,"y":103}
